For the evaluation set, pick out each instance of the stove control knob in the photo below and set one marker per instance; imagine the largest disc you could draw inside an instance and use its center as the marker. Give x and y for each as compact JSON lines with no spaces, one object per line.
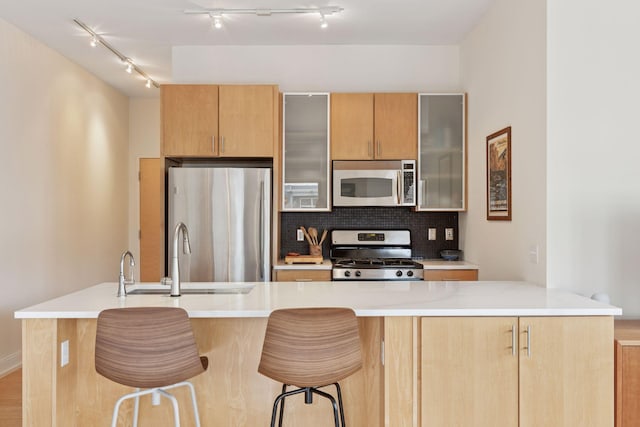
{"x":347,"y":273}
{"x":410,"y":273}
{"x":358,"y":274}
{"x":399,"y":273}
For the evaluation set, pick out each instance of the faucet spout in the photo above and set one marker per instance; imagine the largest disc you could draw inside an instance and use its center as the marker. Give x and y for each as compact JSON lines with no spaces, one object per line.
{"x":175,"y":267}
{"x":122,"y":291}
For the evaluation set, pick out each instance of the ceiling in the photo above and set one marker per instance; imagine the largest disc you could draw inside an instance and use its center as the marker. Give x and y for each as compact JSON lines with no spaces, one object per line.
{"x":146,"y":30}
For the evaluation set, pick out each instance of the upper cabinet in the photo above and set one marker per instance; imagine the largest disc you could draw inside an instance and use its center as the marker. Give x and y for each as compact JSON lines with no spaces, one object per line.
{"x":305,"y":157}
{"x":367,"y":126}
{"x":442,"y":152}
{"x":189,"y":120}
{"x":224,"y":121}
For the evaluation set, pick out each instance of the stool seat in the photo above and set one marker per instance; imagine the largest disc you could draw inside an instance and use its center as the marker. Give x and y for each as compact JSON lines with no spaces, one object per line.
{"x":148,"y":348}
{"x":310,"y":348}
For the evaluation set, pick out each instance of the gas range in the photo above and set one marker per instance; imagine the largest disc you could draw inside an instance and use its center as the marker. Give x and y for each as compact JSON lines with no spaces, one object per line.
{"x":373,"y":255}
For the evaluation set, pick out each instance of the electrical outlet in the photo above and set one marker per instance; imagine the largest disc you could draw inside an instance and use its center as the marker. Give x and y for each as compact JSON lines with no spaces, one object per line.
{"x":432,"y":234}
{"x":299,"y":235}
{"x":64,"y":353}
{"x":448,"y":233}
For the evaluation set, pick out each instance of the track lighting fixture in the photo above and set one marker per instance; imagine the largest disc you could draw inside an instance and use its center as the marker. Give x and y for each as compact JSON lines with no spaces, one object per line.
{"x":216,"y":14}
{"x":130,"y":65}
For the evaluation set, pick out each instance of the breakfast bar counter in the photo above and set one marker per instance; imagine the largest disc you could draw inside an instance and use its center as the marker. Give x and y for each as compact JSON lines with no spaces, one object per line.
{"x":425,"y":346}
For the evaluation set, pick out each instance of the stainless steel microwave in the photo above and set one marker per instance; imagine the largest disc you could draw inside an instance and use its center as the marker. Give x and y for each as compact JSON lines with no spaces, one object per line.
{"x":374,"y":183}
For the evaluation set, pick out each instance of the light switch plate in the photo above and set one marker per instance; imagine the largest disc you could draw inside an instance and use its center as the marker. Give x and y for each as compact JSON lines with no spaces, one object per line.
{"x":448,"y":233}
{"x":432,"y":234}
{"x":299,"y":235}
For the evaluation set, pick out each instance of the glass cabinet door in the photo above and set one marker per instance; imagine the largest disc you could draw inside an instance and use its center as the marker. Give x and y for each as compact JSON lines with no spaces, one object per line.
{"x":305,"y":166}
{"x":442,"y":157}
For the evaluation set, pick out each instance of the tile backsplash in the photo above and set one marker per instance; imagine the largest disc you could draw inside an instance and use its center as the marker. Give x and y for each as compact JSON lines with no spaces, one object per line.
{"x":417,"y":223}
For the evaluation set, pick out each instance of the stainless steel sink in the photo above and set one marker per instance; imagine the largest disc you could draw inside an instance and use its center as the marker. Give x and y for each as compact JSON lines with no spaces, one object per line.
{"x":193,"y":288}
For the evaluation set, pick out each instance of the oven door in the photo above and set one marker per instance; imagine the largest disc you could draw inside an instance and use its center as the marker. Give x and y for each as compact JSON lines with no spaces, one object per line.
{"x":366,"y":187}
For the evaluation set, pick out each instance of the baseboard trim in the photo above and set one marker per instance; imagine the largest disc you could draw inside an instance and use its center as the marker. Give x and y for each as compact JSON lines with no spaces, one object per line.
{"x":10,"y":363}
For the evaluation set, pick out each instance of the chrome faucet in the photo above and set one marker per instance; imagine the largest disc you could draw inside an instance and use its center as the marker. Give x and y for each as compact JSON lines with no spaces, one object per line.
{"x":122,"y":291}
{"x":186,"y":248}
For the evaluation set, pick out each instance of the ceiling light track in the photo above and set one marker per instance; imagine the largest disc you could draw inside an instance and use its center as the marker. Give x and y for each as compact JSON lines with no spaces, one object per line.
{"x":130,"y":66}
{"x":217,"y":14}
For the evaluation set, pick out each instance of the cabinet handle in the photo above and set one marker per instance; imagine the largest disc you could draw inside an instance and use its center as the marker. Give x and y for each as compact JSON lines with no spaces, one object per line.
{"x":304,"y":280}
{"x":513,"y":340}
{"x":370,"y":148}
{"x":221,"y":144}
{"x":528,"y":347}
{"x":213,"y":143}
{"x":378,"y":147}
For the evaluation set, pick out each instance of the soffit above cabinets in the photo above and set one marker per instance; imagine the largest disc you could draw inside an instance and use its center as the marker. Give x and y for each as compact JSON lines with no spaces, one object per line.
{"x":146,"y":30}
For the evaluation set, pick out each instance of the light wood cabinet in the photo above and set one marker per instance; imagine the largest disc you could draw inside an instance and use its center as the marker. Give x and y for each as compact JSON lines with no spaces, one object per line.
{"x":627,"y":372}
{"x":151,"y":180}
{"x":219,"y":121}
{"x":451,"y":275}
{"x":559,"y":375}
{"x":469,"y":372}
{"x":366,"y":126}
{"x":302,"y":275}
{"x":189,"y":116}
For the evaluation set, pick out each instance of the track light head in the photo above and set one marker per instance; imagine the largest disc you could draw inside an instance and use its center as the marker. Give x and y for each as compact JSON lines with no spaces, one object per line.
{"x":94,"y":41}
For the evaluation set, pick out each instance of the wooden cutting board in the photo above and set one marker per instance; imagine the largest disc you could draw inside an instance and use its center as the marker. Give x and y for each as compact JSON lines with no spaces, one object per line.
{"x":303,"y":259}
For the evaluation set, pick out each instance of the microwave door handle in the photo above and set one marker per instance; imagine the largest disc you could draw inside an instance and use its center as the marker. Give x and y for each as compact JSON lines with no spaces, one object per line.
{"x":399,"y":187}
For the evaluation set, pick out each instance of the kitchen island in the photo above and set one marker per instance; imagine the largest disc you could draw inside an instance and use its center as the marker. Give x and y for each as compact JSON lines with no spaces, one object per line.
{"x":435,"y":353}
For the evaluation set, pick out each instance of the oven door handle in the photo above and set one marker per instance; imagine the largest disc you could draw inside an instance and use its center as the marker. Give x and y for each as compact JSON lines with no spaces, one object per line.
{"x":399,"y":187}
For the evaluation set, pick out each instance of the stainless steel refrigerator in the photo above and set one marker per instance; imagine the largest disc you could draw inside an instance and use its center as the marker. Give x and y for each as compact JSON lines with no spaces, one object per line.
{"x":227,"y":212}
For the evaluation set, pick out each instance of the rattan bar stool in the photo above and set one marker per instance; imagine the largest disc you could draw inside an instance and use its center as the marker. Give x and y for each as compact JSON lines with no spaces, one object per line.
{"x":150,"y":348}
{"x":310,"y":348}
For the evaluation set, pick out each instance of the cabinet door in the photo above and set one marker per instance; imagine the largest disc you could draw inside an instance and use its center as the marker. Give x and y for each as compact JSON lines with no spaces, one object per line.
{"x":450,"y":275}
{"x":566,"y":371}
{"x":305,"y":152}
{"x":469,"y":372}
{"x":442,"y":158}
{"x":351,"y":126}
{"x":189,"y":120}
{"x":151,"y":213}
{"x":303,"y":275}
{"x":396,"y":126}
{"x":248,"y":120}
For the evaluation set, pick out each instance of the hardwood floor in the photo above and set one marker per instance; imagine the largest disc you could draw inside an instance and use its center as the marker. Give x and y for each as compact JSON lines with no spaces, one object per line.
{"x":11,"y":399}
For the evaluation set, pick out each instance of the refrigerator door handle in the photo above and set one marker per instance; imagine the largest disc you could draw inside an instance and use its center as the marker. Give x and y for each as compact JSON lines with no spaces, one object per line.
{"x":262,"y":240}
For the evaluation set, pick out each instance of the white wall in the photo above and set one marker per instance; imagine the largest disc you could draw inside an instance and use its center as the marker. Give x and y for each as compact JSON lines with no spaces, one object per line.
{"x":63,"y":143}
{"x":503,"y":70}
{"x":593,"y":149}
{"x":144,"y":142}
{"x":333,"y":68}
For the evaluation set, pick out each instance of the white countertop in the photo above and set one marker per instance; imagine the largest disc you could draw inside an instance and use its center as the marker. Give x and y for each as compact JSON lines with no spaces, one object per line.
{"x":365,"y":298}
{"x":281,"y":265}
{"x":442,"y":264}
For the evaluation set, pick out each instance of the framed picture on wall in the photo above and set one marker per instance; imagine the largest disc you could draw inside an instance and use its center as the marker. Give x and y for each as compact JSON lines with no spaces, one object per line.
{"x":499,"y":175}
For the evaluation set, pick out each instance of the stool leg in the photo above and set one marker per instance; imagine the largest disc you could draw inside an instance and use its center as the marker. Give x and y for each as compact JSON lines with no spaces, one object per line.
{"x":195,"y":404}
{"x":340,"y":404}
{"x":284,"y":390}
{"x":333,"y":403}
{"x":136,"y":408}
{"x":174,"y":402}
{"x":281,"y":398}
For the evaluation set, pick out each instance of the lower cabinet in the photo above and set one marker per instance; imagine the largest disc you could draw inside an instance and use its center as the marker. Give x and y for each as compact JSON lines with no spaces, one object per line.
{"x":627,"y":379}
{"x":451,"y":275}
{"x":509,"y":371}
{"x":302,"y":275}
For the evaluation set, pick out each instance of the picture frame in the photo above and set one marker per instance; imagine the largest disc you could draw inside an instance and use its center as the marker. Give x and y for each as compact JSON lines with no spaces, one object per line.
{"x":499,"y":175}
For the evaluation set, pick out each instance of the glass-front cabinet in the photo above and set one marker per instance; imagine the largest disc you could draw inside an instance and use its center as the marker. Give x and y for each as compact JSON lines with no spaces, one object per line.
{"x":305,"y":165}
{"x":442,"y":152}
